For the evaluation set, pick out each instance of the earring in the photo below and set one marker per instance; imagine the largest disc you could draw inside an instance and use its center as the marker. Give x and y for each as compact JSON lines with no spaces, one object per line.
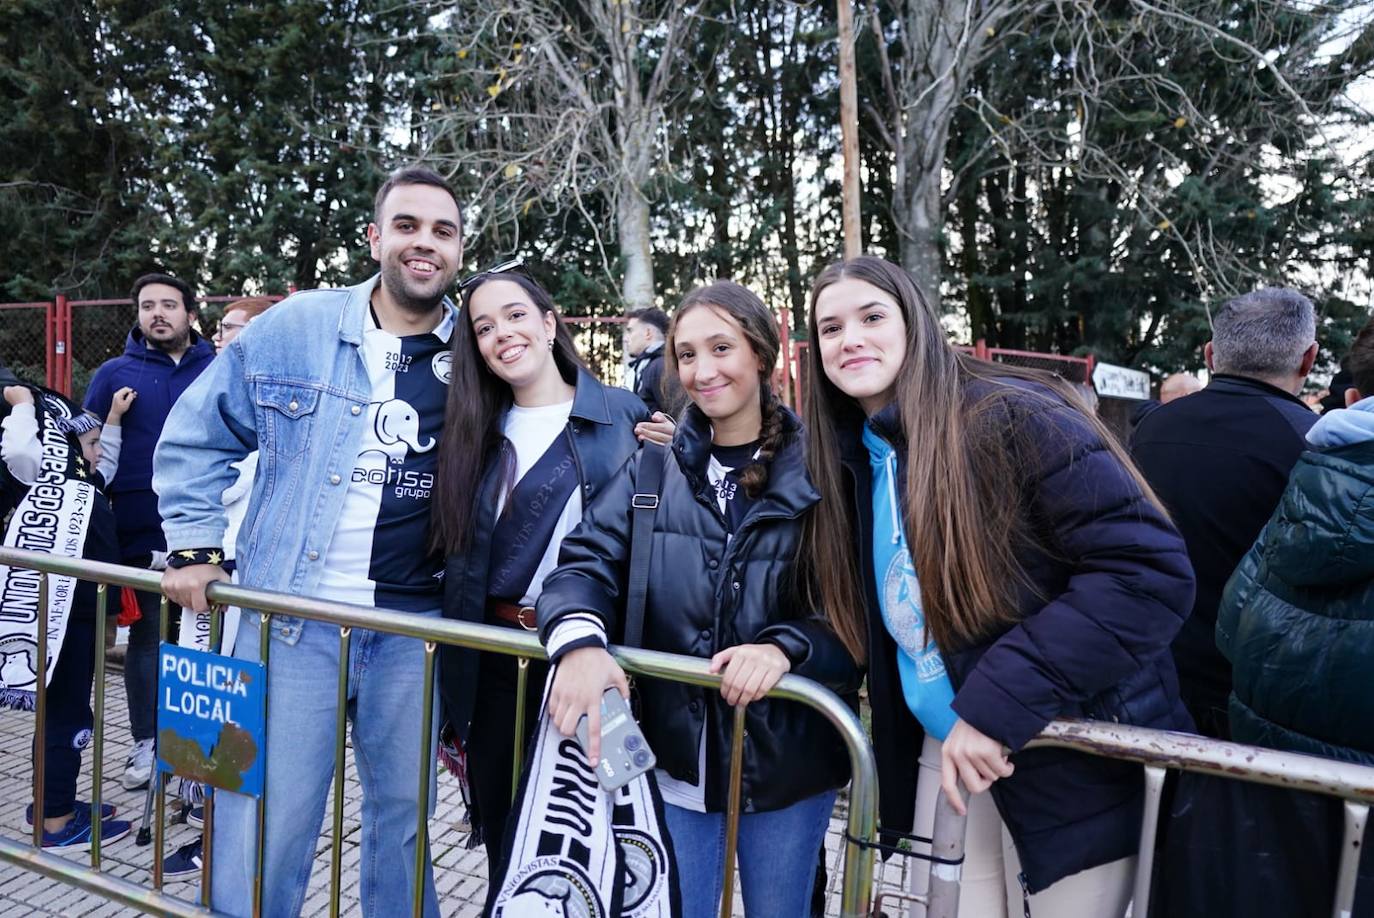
{"x":550,"y":344}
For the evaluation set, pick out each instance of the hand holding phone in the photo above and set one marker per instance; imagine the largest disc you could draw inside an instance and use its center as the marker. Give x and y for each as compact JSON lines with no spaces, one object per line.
{"x":625,"y":754}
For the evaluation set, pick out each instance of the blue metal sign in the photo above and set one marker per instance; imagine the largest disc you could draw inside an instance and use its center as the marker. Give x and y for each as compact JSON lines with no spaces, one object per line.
{"x":211,"y":719}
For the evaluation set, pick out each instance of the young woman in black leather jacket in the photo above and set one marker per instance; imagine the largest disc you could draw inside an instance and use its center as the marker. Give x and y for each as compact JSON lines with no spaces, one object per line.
{"x":530,"y":437}
{"x":724,"y":583}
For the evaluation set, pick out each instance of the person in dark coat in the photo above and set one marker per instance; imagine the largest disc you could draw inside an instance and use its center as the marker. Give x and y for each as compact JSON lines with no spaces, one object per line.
{"x":725,"y":582}
{"x":162,"y":357}
{"x":646,"y":331}
{"x":1296,"y":623}
{"x":530,"y":438}
{"x":990,"y":550}
{"x":1219,"y":459}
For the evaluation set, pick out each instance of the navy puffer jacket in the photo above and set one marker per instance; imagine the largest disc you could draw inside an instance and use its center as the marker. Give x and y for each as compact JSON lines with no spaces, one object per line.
{"x":1109,"y":586}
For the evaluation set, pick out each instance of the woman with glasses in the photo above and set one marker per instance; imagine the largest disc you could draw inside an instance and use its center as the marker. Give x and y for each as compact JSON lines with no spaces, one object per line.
{"x":236,"y":317}
{"x":530,"y":437}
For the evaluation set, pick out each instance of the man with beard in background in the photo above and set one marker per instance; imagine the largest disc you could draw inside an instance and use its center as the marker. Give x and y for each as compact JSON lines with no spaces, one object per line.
{"x":162,"y":357}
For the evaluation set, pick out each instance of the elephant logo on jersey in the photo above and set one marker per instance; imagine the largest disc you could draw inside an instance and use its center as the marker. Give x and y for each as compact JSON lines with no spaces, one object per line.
{"x":398,"y":422}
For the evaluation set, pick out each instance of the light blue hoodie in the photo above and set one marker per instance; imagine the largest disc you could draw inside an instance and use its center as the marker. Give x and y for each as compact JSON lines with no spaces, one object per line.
{"x":1344,"y":426}
{"x":925,"y":684}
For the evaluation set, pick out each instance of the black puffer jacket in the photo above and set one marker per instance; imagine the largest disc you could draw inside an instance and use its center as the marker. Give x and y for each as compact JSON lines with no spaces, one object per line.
{"x":708,"y":592}
{"x":601,"y":427}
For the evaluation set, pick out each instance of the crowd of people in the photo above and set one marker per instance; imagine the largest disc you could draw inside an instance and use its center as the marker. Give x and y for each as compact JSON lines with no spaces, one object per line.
{"x":966,"y":537}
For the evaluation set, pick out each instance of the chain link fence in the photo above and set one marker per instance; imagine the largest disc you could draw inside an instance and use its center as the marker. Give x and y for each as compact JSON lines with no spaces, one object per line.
{"x":24,"y":339}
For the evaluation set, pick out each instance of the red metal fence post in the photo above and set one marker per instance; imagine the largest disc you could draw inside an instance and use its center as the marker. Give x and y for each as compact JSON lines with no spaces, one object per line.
{"x":49,"y":336}
{"x":980,"y":349}
{"x":62,"y":345}
{"x":785,"y":334}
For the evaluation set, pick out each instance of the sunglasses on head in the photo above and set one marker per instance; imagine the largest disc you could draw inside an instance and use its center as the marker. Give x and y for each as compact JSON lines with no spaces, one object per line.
{"x":505,"y":267}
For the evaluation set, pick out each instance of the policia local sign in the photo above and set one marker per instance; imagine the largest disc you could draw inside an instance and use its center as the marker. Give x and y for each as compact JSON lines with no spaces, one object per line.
{"x":211,"y":719}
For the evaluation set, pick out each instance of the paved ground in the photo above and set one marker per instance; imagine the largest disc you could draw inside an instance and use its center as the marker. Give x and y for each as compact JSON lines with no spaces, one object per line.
{"x":460,"y":874}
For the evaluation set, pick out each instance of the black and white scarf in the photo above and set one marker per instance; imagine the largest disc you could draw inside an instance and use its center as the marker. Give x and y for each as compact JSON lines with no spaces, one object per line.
{"x":53,"y":517}
{"x":574,"y":850}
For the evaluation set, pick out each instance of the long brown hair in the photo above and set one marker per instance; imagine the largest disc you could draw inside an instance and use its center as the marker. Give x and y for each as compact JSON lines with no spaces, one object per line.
{"x":966,"y":473}
{"x":477,"y":402}
{"x":761,"y":331}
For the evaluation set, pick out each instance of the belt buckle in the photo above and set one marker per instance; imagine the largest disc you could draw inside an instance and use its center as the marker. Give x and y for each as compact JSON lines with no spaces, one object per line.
{"x":533,"y":624}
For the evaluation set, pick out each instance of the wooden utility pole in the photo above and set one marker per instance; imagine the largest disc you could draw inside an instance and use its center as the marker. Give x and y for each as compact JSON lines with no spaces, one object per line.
{"x":849,"y":132}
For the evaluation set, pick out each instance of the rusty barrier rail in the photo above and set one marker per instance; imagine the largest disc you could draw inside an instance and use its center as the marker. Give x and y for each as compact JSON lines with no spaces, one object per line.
{"x":1160,"y":751}
{"x":856,"y":888}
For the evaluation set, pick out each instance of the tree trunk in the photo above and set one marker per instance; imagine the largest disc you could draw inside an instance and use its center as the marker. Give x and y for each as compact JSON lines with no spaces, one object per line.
{"x":922,"y":221}
{"x":636,"y":254}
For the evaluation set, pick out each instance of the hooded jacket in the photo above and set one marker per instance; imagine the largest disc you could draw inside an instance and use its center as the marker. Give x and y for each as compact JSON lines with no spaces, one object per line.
{"x":1297,"y":618}
{"x":709,"y":590}
{"x":159,"y":382}
{"x":1109,"y":585}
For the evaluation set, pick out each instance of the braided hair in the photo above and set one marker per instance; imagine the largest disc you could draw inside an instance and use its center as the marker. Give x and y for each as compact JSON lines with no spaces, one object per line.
{"x":760,"y":328}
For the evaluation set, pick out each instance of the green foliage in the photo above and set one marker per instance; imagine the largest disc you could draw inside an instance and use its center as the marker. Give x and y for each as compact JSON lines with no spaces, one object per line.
{"x":1095,"y":202}
{"x":1106,"y":204}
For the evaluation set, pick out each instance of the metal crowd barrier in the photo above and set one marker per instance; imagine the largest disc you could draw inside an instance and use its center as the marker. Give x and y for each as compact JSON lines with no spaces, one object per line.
{"x":856,"y":888}
{"x":1159,"y":751}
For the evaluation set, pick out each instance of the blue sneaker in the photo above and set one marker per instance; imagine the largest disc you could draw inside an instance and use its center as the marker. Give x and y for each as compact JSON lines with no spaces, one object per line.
{"x":76,"y":834}
{"x":195,"y":817}
{"x":185,"y":863}
{"x":107,"y":811}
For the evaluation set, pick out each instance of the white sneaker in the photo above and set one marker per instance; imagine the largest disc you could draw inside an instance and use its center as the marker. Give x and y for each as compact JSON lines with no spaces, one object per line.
{"x":138,"y":768}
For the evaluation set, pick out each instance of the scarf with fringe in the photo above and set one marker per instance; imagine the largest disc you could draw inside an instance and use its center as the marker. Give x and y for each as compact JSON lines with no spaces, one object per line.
{"x":53,"y":517}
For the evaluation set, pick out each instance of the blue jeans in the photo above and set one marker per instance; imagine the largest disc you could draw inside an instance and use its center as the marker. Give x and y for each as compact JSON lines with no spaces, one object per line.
{"x":385,"y":682}
{"x":777,"y":855}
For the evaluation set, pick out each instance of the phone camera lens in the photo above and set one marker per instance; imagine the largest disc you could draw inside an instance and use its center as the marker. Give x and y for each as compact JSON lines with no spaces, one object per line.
{"x":633,"y":742}
{"x":641,"y":758}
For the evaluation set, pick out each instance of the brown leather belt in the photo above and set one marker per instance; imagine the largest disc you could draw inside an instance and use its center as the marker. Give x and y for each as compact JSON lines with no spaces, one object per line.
{"x":523,"y":616}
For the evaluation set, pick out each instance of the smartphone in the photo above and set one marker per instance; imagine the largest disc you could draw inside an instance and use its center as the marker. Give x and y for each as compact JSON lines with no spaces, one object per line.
{"x":625,"y":754}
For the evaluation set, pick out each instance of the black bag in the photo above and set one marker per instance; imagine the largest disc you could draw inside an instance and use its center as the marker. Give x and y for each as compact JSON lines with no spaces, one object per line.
{"x":1234,"y":849}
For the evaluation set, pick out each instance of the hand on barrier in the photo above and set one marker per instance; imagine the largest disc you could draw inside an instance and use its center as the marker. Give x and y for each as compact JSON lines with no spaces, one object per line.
{"x":185,"y":586}
{"x":658,"y":429}
{"x":973,"y":756}
{"x":580,"y":678}
{"x":751,"y":671}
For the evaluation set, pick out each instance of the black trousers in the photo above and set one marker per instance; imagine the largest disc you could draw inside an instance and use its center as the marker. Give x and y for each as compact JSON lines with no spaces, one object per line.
{"x":491,"y":744}
{"x":68,"y":714}
{"x":140,"y":661}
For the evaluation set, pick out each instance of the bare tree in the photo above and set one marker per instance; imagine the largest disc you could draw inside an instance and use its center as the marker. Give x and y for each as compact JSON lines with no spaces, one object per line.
{"x":560,"y":101}
{"x":940,"y":44}
{"x":931,"y":52}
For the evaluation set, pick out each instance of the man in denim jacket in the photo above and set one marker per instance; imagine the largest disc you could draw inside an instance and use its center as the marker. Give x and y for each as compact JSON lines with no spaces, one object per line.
{"x":342,"y":393}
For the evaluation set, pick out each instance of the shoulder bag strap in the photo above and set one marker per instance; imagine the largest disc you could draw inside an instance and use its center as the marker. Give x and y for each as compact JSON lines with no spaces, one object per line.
{"x":648,"y":484}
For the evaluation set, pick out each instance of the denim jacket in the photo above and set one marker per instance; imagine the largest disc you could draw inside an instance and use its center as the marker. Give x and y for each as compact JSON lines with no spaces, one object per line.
{"x":292,"y":386}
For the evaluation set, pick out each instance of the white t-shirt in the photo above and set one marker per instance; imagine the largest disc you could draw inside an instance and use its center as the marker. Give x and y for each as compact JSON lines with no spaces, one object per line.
{"x":532,"y":431}
{"x":378,"y":554}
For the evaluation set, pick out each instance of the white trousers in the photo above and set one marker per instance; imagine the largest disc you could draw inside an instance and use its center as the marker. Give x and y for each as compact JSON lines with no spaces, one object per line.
{"x":990,"y":886}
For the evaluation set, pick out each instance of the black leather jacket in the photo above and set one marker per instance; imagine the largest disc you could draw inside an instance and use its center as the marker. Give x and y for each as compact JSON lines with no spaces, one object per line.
{"x":708,"y":591}
{"x":601,"y":427}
